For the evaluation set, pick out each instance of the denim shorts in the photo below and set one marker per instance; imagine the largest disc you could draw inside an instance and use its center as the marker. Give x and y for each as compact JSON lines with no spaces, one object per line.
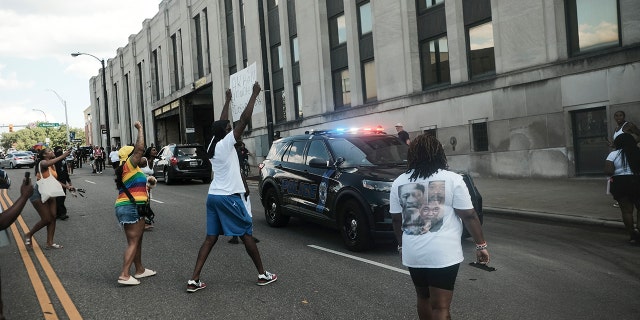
{"x":127,"y":214}
{"x":36,"y":194}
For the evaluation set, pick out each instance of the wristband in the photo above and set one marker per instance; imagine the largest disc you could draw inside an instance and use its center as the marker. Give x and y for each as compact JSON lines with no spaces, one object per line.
{"x":481,"y":246}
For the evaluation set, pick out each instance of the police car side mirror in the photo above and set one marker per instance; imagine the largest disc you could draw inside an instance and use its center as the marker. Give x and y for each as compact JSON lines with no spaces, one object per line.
{"x":318,"y":163}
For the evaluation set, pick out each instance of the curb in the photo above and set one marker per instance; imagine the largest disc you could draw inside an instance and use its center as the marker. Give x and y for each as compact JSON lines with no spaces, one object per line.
{"x":555,"y":217}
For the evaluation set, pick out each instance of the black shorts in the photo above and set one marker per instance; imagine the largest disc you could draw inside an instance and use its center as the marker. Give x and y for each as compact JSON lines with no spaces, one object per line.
{"x":625,"y":187}
{"x":443,"y":278}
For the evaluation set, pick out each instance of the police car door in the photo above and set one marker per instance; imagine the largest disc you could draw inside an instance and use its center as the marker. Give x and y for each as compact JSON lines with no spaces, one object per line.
{"x":292,"y":179}
{"x":319,"y":177}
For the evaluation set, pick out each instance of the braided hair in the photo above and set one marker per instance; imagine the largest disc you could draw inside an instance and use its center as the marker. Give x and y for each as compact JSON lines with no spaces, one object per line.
{"x":425,"y":157}
{"x":219,"y":129}
{"x":629,"y":152}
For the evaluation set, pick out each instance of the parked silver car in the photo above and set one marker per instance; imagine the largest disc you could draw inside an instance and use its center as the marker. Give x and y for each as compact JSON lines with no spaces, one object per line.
{"x":16,"y":160}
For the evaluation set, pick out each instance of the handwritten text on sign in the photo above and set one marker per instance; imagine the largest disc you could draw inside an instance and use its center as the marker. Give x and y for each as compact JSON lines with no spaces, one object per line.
{"x":241,"y":85}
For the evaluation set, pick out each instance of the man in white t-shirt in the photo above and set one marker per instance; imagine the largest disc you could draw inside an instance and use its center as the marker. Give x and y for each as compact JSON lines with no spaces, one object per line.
{"x":114,"y":157}
{"x":226,"y":212}
{"x":429,"y":238}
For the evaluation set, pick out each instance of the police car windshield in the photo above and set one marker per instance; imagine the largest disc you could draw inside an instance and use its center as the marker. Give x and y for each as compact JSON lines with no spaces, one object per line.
{"x":369,"y":150}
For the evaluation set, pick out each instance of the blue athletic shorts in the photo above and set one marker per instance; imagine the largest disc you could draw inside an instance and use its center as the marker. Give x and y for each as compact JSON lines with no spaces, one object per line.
{"x":226,"y":214}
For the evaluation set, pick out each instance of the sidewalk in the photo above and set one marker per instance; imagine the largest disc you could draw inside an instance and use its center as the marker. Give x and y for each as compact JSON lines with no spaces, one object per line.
{"x":573,"y":200}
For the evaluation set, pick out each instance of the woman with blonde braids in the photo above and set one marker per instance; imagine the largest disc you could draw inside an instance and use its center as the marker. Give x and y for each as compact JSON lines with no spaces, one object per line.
{"x":433,"y":255}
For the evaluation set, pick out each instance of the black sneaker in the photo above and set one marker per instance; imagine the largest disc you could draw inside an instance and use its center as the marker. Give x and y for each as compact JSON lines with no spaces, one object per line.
{"x":266,"y":278}
{"x":193,"y":285}
{"x":233,"y":240}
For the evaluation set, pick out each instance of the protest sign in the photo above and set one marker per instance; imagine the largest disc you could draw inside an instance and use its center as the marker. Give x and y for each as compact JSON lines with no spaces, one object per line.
{"x":241,"y":85}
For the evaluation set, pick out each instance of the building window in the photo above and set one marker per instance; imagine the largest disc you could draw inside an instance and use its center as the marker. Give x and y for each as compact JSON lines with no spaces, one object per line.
{"x":295,"y":50}
{"x":272,"y":3}
{"x":338,"y":29}
{"x":426,"y":4}
{"x":298,"y":99}
{"x":481,"y":56}
{"x":198,"y":36}
{"x":206,"y":36}
{"x":370,"y":83}
{"x":231,"y":46}
{"x":140,"y":87}
{"x":280,"y":106}
{"x":434,"y":56}
{"x":366,"y":25}
{"x":342,"y":88}
{"x":156,"y":74}
{"x":431,"y":131}
{"x":276,"y":57}
{"x":116,"y":102}
{"x":480,"y":136}
{"x":593,"y":25}
{"x":174,"y":62}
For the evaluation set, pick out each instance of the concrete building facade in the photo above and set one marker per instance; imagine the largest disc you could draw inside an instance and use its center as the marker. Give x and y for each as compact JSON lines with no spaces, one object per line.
{"x":512,"y":88}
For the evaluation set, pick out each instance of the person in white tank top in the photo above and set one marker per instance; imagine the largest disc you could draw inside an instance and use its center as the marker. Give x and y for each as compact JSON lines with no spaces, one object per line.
{"x":624,"y":126}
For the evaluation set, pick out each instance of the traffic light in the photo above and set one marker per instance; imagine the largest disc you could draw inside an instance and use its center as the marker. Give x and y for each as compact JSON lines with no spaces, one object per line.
{"x":10,"y":128}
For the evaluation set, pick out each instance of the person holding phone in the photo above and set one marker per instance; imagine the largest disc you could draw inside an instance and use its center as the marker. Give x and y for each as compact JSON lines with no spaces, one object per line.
{"x":8,"y":217}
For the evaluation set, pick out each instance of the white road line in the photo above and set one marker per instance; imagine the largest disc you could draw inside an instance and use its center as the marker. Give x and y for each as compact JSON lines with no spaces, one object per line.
{"x":90,"y":182}
{"x":378,"y":264}
{"x":154,"y":200}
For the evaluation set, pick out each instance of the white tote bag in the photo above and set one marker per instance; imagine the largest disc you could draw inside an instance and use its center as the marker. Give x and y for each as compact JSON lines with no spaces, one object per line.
{"x":48,"y":187}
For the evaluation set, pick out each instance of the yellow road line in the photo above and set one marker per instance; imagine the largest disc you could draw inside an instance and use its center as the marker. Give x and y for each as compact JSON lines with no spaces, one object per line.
{"x":38,"y":287}
{"x":63,"y":296}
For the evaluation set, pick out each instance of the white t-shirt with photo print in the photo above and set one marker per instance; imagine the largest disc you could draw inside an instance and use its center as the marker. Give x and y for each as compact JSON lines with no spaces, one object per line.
{"x":431,"y":236}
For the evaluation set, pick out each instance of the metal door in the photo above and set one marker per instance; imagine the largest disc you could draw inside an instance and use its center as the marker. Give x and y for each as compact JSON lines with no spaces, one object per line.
{"x":590,"y":140}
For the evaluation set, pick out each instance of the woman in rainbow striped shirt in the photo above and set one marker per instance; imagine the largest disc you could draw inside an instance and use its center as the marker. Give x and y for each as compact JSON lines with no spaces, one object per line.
{"x":130,"y":179}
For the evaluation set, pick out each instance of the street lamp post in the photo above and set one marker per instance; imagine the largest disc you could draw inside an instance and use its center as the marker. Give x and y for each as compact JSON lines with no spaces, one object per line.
{"x":45,"y":115}
{"x":66,"y":117}
{"x":104,"y":92}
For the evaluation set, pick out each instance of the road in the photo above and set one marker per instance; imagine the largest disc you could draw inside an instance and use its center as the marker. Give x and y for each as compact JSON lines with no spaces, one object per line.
{"x":544,"y":270}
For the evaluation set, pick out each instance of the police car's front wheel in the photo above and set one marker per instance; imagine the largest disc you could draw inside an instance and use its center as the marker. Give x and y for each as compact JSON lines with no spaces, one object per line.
{"x":354,"y":227}
{"x":272,"y":211}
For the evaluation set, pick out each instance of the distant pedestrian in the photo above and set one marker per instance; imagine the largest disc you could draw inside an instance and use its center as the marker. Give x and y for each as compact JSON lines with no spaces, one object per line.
{"x":146,"y":165}
{"x":65,"y":181}
{"x":46,"y":210}
{"x":434,"y":253}
{"x":131,"y":183}
{"x":100,"y":159}
{"x":623,"y":165}
{"x":624,"y":126}
{"x":69,"y":161}
{"x":402,"y":135}
{"x":226,"y":212}
{"x":114,"y":158}
{"x":79,"y":157}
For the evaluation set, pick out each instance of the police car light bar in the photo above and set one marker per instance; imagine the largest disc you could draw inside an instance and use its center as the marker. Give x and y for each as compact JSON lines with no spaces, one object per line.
{"x":378,"y":129}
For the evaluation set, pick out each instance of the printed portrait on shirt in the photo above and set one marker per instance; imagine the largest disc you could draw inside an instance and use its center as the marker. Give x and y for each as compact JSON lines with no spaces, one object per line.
{"x":422,"y":207}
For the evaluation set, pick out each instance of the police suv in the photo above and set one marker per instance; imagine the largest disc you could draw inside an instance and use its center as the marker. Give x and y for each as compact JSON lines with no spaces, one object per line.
{"x":338,"y":178}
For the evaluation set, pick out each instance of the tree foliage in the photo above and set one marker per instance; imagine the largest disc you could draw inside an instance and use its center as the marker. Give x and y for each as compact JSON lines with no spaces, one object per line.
{"x":27,"y":138}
